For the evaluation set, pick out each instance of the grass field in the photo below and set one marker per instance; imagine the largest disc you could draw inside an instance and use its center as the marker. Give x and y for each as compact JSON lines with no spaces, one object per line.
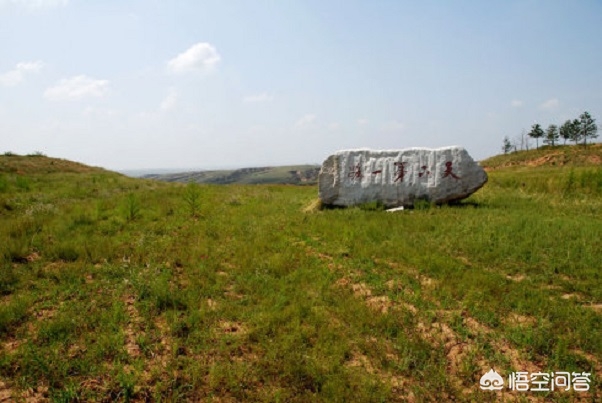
{"x":120,"y":289}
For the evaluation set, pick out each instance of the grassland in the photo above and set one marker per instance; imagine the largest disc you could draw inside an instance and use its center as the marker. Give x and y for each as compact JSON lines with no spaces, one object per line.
{"x":120,"y":289}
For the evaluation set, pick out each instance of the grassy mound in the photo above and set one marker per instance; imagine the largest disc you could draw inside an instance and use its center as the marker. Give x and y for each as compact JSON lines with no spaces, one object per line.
{"x":548,"y":156}
{"x":37,"y":164}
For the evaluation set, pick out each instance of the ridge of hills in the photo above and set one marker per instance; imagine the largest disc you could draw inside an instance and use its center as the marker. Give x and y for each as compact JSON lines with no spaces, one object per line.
{"x":290,"y":174}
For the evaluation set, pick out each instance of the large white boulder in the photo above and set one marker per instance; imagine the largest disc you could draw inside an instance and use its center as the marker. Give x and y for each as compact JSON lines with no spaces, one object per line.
{"x":399,"y":177}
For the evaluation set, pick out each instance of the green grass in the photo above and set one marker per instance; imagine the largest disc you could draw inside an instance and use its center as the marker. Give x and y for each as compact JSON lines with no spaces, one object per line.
{"x":114,"y":288}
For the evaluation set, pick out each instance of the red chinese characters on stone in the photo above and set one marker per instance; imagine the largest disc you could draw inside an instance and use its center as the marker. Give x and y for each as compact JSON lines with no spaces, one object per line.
{"x":401,"y":171}
{"x":423,"y":171}
{"x":355,"y":172}
{"x":449,"y":171}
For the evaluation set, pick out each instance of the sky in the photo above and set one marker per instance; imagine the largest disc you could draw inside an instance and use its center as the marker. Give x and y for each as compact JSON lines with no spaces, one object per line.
{"x":142,"y":84}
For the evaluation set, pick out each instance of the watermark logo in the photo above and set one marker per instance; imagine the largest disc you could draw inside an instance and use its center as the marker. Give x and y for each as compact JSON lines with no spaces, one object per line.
{"x":492,"y":381}
{"x":537,"y":381}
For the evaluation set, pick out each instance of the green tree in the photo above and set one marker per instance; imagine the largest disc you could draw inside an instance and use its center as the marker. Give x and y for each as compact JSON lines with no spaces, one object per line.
{"x":566,"y":131}
{"x":552,"y":135}
{"x":507,"y":145}
{"x":576,"y":131}
{"x":537,"y":133}
{"x":587,"y":127}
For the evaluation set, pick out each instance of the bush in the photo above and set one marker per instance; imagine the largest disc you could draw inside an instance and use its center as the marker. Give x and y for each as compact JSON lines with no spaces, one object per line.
{"x":192,"y":198}
{"x":131,"y":207}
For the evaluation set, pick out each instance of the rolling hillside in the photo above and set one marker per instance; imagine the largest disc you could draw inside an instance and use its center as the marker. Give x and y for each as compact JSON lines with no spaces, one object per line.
{"x":121,"y":289}
{"x":569,"y":155}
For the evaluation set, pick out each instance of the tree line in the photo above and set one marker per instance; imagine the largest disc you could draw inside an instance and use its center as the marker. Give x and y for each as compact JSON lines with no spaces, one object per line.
{"x":577,"y":130}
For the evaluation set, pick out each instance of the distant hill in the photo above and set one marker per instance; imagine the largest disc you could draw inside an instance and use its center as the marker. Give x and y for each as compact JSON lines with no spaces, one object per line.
{"x":293,"y":174}
{"x":547,"y":155}
{"x":39,"y":164}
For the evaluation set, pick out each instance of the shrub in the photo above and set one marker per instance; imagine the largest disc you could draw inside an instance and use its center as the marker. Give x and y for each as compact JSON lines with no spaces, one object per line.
{"x":131,"y":207}
{"x":192,"y":198}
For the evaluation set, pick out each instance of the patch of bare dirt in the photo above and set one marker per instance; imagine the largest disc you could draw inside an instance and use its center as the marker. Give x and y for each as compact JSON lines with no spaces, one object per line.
{"x":545,"y":160}
{"x":574,"y":296}
{"x":464,"y":260}
{"x":39,"y":394}
{"x":11,"y":345}
{"x":32,"y":257}
{"x":359,"y":360}
{"x":230,"y":293}
{"x":361,"y":290}
{"x":517,"y":277}
{"x":6,"y":393}
{"x":518,"y":319}
{"x":133,"y":327}
{"x":233,"y":328}
{"x":212,"y":304}
{"x":381,"y":303}
{"x":595,"y":307}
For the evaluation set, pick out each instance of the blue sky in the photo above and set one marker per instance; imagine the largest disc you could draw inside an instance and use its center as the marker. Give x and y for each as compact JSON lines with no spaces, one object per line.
{"x":135,"y":84}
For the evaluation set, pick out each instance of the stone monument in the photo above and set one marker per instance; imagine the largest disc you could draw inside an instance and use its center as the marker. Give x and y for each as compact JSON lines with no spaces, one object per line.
{"x":399,"y":177}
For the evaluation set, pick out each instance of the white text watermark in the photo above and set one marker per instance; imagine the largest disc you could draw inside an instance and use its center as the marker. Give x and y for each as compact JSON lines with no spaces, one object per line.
{"x":537,"y":381}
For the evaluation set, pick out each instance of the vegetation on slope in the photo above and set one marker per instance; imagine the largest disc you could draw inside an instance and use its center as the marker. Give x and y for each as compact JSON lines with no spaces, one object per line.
{"x":125,"y":289}
{"x":547,"y":155}
{"x":38,"y":164}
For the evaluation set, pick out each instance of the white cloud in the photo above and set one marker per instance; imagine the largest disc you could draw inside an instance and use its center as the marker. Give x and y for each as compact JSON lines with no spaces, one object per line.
{"x":170,"y":101}
{"x":78,"y":87}
{"x":263,"y":97}
{"x":306,"y":120}
{"x":199,"y":57}
{"x":516,"y":103}
{"x":33,"y":5}
{"x":362,"y":122}
{"x":16,"y":75}
{"x":550,"y":104}
{"x":334,"y":126}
